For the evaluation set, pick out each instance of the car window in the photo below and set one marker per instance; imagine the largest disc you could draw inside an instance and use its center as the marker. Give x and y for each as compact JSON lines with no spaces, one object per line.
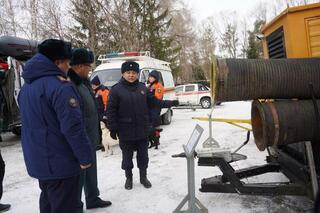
{"x":108,"y":77}
{"x":190,"y":88}
{"x":160,"y":78}
{"x":144,"y":76}
{"x":168,"y":79}
{"x":202,"y":88}
{"x":179,"y":89}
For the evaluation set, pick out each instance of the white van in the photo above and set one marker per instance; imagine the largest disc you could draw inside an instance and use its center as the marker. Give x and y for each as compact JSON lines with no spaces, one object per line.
{"x":194,"y":94}
{"x":109,"y":72}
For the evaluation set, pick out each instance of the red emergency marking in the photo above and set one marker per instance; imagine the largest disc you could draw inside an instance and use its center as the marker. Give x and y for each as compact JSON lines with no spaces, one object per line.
{"x":4,"y":66}
{"x":192,"y":93}
{"x":131,"y":53}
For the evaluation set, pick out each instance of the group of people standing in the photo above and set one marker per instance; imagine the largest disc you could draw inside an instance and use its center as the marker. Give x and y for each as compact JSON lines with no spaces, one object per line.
{"x":61,"y":124}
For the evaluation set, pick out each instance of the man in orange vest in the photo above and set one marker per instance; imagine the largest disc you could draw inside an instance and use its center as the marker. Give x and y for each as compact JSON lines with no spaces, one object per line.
{"x":101,"y":95}
{"x":157,"y":89}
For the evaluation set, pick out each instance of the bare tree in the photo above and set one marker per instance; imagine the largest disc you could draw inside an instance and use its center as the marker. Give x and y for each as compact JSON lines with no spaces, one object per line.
{"x":185,"y":40}
{"x":243,"y":38}
{"x":260,"y":11}
{"x":229,"y":40}
{"x":52,"y":27}
{"x":8,"y":23}
{"x":207,"y":44}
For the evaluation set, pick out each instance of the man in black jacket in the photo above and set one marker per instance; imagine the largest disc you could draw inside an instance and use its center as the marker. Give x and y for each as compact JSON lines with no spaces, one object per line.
{"x":80,"y":67}
{"x":128,"y":118}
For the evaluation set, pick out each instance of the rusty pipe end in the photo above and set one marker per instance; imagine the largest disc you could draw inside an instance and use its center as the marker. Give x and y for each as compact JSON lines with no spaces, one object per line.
{"x":259,"y":129}
{"x":220,"y":72}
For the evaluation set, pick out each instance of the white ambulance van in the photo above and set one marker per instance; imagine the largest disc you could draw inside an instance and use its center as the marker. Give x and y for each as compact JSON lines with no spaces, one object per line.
{"x":109,"y":72}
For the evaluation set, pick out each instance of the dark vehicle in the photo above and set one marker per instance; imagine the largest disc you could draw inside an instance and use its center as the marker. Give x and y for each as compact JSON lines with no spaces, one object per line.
{"x":13,"y":53}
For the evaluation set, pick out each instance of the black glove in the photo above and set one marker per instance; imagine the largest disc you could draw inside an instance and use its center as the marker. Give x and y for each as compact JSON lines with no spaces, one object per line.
{"x":114,"y":135}
{"x":175,"y":103}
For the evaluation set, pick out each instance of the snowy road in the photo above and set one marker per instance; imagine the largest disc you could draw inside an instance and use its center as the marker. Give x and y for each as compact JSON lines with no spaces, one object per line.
{"x":168,"y":175}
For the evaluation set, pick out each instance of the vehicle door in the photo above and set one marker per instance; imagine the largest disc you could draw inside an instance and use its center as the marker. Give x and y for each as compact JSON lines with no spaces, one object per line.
{"x":202,"y":91}
{"x":179,"y":92}
{"x":190,"y":95}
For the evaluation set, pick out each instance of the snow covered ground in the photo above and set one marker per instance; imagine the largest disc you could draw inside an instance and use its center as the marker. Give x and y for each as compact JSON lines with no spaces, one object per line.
{"x":167,"y":174}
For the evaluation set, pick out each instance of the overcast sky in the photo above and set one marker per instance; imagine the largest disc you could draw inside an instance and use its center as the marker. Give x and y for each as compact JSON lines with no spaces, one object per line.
{"x":205,"y":8}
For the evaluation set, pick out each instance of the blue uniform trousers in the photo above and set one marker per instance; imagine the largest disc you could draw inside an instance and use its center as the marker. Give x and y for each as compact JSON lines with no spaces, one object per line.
{"x":128,"y":147}
{"x":59,"y":196}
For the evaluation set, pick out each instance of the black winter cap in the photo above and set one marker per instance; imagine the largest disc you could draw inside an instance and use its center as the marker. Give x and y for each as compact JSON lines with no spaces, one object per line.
{"x":130,"y":65}
{"x":55,"y":49}
{"x":155,"y":74}
{"x":81,"y":56}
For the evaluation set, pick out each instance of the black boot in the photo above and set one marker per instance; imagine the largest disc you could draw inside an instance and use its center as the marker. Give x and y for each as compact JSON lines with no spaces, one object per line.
{"x":128,"y":184}
{"x":157,"y":142}
{"x":99,"y":203}
{"x":4,"y":207}
{"x":143,"y":179}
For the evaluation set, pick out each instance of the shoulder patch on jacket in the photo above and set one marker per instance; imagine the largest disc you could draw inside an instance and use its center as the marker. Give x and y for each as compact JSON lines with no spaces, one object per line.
{"x":73,"y":102}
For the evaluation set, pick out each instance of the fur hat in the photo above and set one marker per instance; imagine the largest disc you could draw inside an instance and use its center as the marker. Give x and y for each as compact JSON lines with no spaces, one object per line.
{"x":55,"y":49}
{"x":155,"y":74}
{"x":96,"y":81}
{"x":130,"y":65}
{"x":81,"y":56}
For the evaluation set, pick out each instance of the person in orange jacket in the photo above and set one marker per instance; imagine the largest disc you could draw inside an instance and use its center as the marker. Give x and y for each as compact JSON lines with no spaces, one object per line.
{"x":157,"y":89}
{"x":101,"y":94}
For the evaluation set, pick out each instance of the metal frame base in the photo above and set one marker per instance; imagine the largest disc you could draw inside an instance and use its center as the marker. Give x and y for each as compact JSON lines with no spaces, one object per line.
{"x":199,"y":207}
{"x":230,"y":181}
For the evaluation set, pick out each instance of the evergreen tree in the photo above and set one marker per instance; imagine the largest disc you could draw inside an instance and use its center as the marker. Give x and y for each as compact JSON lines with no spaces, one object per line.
{"x":254,"y":44}
{"x":197,"y":71}
{"x":153,"y":24}
{"x":89,"y":27}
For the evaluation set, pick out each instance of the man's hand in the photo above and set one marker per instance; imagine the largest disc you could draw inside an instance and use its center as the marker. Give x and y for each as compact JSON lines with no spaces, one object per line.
{"x":175,"y":103}
{"x":114,"y":135}
{"x":85,"y":166}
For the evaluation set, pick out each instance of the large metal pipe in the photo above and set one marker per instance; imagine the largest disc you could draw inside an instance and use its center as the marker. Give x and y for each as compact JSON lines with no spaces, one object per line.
{"x":282,"y":122}
{"x":249,"y":79}
{"x":19,"y":48}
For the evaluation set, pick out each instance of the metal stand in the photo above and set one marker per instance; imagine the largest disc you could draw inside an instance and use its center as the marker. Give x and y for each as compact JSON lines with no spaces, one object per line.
{"x":194,"y":205}
{"x":312,"y":168}
{"x":210,"y":142}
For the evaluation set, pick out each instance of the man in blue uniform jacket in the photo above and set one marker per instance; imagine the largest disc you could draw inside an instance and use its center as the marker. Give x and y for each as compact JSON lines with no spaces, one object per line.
{"x":54,"y":141}
{"x":128,"y":118}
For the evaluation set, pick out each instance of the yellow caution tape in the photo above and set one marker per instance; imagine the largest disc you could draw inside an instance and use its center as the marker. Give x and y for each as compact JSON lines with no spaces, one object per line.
{"x":229,"y":121}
